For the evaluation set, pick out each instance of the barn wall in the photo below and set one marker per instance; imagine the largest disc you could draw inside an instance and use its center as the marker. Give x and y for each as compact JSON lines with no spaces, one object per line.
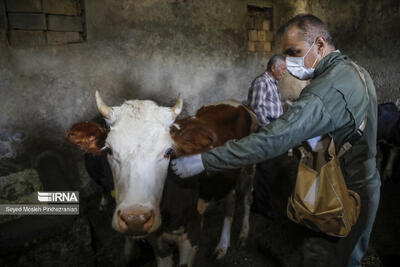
{"x":135,"y":49}
{"x":154,"y":49}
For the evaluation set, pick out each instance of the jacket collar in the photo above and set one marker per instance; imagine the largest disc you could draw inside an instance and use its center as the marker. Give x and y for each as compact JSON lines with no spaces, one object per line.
{"x":333,"y":58}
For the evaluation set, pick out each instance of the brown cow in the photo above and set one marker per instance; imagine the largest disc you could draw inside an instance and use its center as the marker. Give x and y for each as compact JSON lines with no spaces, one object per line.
{"x":212,"y":126}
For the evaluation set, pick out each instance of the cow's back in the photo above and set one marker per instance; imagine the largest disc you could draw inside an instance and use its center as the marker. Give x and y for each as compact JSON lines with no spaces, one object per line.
{"x":211,"y":127}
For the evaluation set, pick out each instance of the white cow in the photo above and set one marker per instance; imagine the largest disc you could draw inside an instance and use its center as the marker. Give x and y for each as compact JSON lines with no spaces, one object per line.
{"x":139,"y":142}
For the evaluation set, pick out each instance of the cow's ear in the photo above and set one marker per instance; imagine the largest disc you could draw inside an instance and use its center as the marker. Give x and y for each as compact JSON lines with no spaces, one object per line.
{"x":88,"y":136}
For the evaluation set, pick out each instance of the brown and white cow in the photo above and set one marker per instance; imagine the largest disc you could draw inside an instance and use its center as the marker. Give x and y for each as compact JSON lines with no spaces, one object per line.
{"x":168,"y":212}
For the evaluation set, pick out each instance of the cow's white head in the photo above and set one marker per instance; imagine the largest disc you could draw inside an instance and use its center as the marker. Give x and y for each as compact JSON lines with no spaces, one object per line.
{"x":138,"y":141}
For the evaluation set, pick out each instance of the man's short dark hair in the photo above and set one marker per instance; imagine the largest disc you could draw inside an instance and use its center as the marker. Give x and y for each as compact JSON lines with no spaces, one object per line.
{"x":311,"y":26}
{"x":275,"y":59}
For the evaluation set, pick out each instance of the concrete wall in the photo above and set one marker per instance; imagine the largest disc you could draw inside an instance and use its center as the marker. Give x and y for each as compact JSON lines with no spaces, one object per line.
{"x":135,"y":49}
{"x":154,"y":49}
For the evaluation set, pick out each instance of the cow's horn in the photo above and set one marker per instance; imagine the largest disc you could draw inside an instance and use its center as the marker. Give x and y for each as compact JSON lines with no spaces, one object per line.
{"x":102,"y":107}
{"x":178,"y":106}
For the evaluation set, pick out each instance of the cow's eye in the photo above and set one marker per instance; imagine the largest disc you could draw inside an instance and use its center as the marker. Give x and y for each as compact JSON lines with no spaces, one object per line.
{"x":168,"y":153}
{"x":111,"y":155}
{"x":109,"y":151}
{"x":113,"y":158}
{"x":106,"y":150}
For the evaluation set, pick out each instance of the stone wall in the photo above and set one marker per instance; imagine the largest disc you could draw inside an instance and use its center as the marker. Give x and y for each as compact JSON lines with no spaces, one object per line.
{"x":44,"y":22}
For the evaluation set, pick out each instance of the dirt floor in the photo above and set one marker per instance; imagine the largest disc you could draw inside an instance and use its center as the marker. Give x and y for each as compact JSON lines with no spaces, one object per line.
{"x":92,"y":242}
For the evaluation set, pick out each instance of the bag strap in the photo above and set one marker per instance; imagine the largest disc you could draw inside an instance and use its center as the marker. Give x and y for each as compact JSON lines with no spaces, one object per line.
{"x":362,"y":77}
{"x":353,"y":139}
{"x":360,"y":131}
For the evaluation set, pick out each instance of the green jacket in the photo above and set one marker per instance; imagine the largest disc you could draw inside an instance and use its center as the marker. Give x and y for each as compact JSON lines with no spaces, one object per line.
{"x":334,"y":102}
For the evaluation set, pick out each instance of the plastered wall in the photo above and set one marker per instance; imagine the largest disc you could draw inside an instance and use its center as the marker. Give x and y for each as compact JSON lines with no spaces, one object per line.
{"x":154,"y":49}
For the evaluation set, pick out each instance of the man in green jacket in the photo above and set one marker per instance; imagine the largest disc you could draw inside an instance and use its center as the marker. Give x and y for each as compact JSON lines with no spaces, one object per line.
{"x":335,"y":102}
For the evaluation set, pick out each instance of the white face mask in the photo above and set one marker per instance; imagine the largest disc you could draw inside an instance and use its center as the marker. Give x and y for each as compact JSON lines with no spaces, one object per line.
{"x":295,"y":66}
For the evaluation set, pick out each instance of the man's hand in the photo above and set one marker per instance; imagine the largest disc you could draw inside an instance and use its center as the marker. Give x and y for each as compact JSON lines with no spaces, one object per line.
{"x":187,"y":166}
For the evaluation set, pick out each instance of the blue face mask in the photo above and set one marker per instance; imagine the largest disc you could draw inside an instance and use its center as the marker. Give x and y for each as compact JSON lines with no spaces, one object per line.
{"x":295,"y":66}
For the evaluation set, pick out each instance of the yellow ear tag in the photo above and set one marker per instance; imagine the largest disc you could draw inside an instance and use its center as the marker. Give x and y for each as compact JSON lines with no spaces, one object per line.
{"x":113,"y":193}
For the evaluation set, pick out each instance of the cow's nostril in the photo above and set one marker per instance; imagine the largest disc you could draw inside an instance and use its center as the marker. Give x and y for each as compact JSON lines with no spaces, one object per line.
{"x":122,"y":224}
{"x":135,"y":221}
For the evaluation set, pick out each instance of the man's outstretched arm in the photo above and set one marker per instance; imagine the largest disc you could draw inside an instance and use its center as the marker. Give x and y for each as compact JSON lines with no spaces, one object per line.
{"x":305,"y":119}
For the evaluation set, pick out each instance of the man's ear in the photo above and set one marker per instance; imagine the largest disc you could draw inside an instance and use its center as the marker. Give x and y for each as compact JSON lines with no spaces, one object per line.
{"x":321,"y":43}
{"x":88,"y":136}
{"x":272,"y":70}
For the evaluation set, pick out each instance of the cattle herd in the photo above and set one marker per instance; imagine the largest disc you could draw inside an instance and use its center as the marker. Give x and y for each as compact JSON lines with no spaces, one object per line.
{"x":131,"y":153}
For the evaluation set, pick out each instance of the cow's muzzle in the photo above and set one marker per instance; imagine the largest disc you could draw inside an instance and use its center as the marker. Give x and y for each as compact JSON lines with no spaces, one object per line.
{"x":135,"y":222}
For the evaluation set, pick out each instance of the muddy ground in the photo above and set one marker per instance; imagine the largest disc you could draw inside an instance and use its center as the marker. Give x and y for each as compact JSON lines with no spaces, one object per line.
{"x":90,"y":241}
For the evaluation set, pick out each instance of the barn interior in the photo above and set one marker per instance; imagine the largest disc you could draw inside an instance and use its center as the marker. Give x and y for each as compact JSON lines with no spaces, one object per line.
{"x":54,"y":55}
